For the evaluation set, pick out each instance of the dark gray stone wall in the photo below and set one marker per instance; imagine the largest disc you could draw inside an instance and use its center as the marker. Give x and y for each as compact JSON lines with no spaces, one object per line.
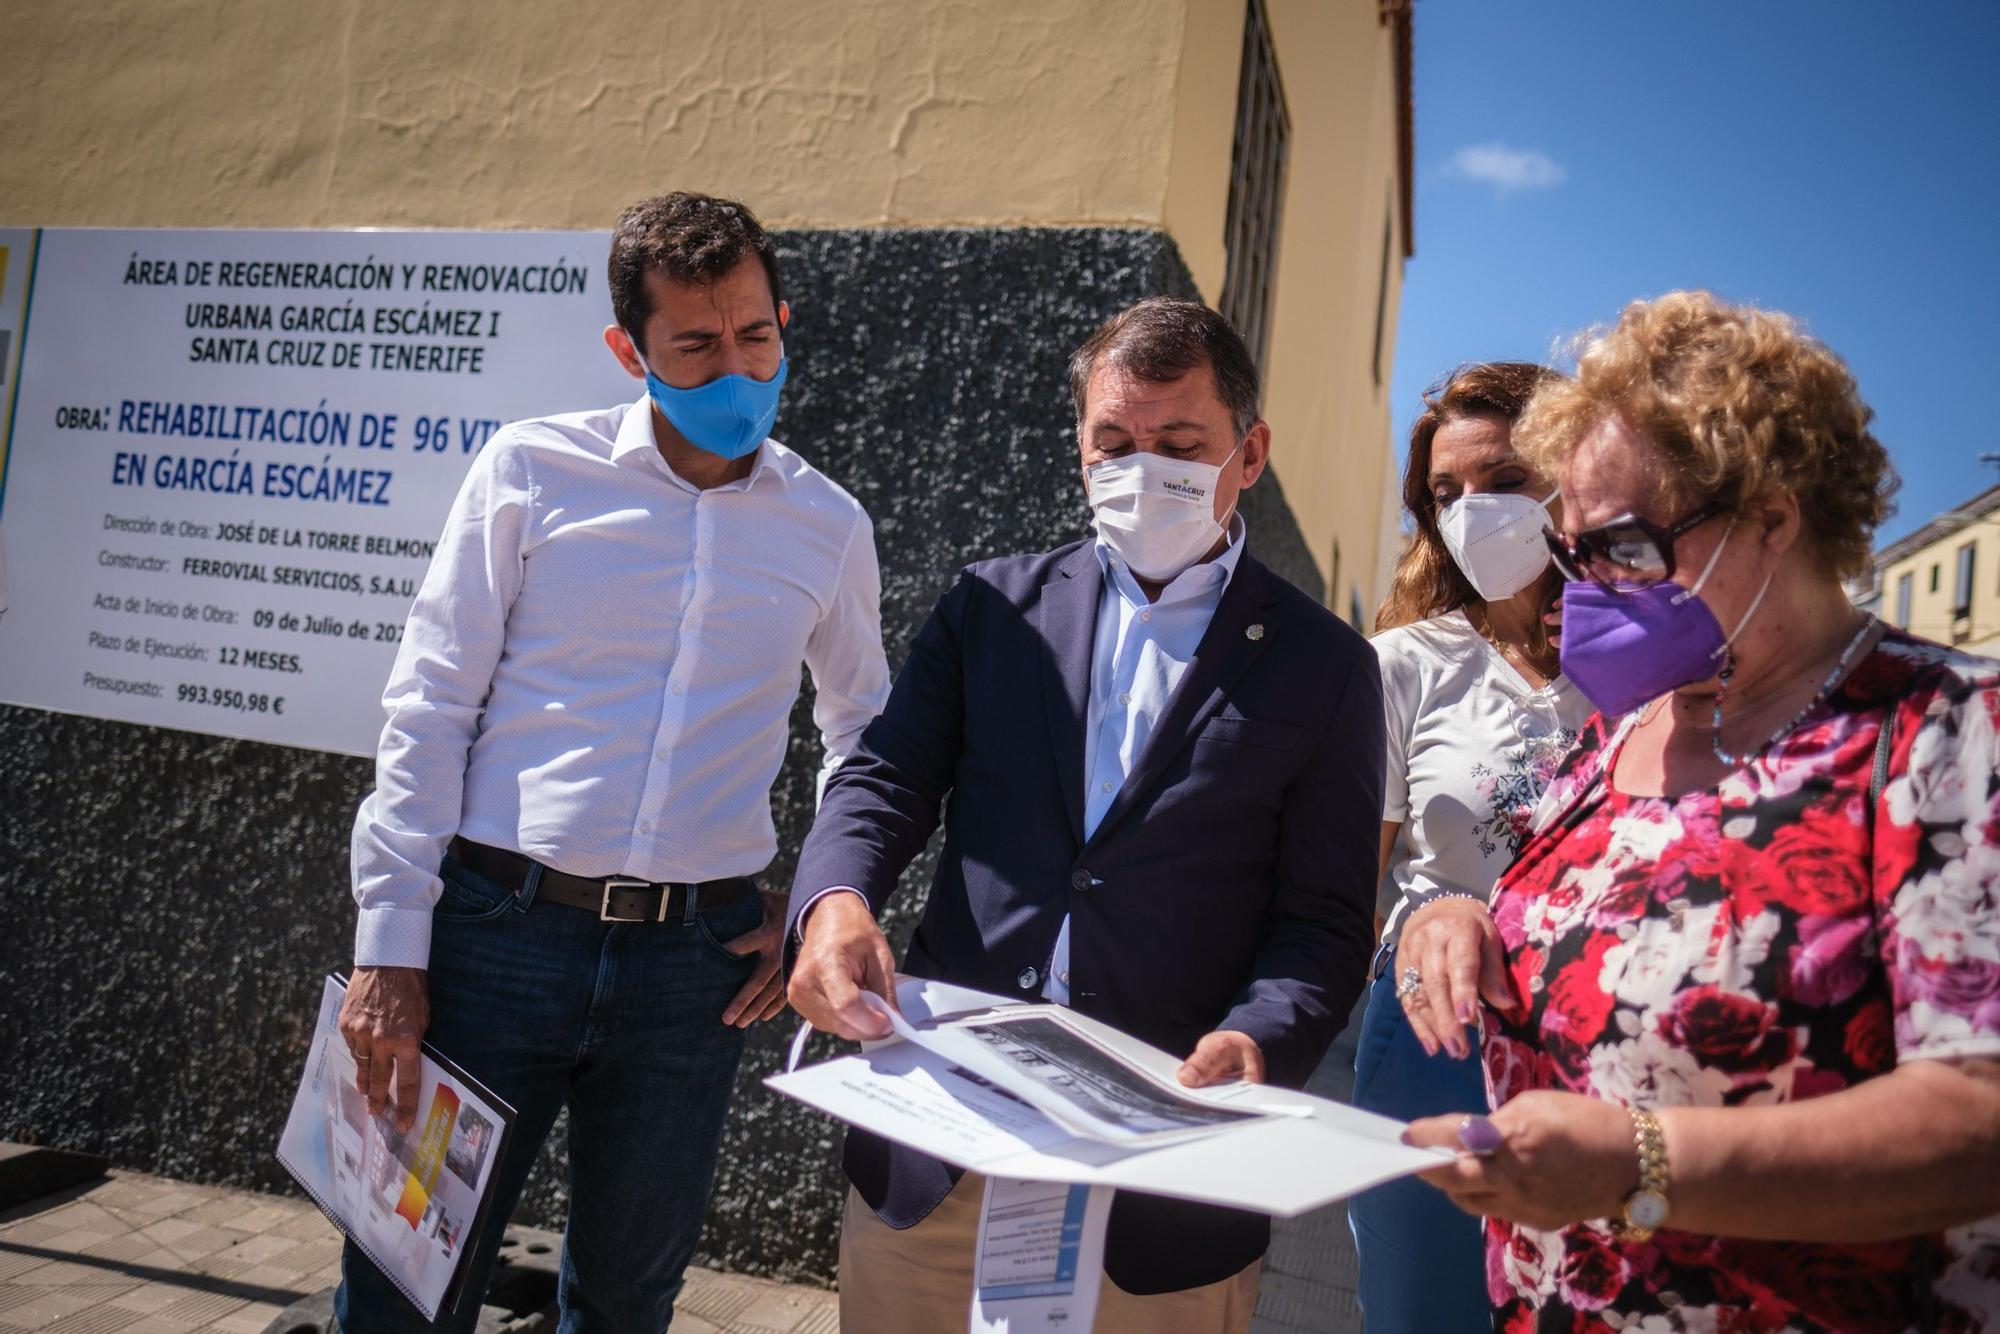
{"x":171,"y":901}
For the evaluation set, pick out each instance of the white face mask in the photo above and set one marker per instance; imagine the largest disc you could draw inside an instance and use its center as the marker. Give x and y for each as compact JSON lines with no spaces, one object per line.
{"x":1497,"y":540}
{"x":1155,"y":513}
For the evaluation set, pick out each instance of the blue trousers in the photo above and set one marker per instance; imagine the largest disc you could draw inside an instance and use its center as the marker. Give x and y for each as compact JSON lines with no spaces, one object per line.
{"x":1423,"y":1260}
{"x":621,"y":1024}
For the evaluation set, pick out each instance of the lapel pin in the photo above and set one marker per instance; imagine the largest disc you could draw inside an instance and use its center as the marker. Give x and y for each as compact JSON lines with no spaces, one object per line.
{"x":1254,"y":632}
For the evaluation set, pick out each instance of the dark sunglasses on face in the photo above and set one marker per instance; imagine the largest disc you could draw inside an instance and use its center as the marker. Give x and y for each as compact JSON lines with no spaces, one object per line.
{"x":1627,"y":552}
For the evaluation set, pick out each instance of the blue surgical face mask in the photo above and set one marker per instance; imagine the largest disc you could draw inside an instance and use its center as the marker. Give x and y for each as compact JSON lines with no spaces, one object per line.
{"x":729,"y":416}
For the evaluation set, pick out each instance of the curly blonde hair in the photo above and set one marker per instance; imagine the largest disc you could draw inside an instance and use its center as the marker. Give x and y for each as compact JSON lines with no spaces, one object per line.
{"x":1739,"y":400}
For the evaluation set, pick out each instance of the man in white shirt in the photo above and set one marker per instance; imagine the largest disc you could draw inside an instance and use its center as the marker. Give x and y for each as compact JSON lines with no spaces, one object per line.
{"x":573,"y":789}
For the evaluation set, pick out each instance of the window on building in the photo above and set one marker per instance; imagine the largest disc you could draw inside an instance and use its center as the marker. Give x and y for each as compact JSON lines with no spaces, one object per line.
{"x":1961,"y":584}
{"x":1905,"y":585}
{"x":1935,"y":567}
{"x":1256,"y":184}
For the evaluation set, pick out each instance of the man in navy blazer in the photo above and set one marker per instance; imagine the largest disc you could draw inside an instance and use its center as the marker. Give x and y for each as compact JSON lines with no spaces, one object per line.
{"x":1159,"y":768}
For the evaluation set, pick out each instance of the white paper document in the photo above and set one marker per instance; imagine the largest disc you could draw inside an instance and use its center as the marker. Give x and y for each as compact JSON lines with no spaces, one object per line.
{"x":1039,"y":1093}
{"x":1041,"y":1257}
{"x":413,"y":1203}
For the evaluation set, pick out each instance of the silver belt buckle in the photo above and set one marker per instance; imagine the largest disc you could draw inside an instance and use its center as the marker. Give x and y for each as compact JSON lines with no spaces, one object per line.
{"x":618,"y":882}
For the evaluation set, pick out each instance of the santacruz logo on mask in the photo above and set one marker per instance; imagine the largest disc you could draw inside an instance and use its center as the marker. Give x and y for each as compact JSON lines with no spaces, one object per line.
{"x":1157,"y":524}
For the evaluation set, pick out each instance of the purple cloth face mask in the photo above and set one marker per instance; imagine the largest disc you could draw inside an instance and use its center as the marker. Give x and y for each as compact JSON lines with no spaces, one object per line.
{"x":1623,"y":649}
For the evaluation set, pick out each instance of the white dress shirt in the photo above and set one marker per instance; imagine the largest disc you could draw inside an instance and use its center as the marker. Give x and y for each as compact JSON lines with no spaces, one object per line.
{"x":1141,"y":651}
{"x":600,"y":667}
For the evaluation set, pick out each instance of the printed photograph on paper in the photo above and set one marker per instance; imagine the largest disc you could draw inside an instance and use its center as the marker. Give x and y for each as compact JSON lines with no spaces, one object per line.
{"x":469,"y":1142}
{"x":1095,"y":1080}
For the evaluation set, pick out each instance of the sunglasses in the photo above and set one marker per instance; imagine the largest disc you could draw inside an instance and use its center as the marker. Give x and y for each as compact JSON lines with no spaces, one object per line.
{"x":1627,"y":552}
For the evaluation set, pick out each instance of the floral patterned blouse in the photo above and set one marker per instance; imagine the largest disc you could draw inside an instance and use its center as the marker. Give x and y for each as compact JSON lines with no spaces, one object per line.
{"x":1743,"y":946}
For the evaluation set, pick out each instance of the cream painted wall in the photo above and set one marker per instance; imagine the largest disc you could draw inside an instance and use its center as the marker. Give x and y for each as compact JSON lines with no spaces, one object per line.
{"x":1931,"y":612}
{"x":1329,"y":416}
{"x":1197,"y":200}
{"x":247,"y":113}
{"x":457,"y":113}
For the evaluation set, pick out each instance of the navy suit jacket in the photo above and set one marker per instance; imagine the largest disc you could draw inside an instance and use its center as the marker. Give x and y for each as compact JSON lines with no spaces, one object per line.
{"x":1230,"y":885}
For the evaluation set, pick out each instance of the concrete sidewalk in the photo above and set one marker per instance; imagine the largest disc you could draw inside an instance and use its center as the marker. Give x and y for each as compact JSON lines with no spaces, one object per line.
{"x":145,"y":1255}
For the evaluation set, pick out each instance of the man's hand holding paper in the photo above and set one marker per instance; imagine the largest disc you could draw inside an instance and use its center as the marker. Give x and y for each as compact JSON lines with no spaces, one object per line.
{"x":843,"y":955}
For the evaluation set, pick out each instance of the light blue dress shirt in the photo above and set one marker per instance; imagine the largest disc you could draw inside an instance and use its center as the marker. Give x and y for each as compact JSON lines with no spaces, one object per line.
{"x":1141,"y":651}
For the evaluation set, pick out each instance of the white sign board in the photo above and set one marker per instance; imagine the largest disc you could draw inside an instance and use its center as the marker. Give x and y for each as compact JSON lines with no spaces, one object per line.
{"x":231,"y":452}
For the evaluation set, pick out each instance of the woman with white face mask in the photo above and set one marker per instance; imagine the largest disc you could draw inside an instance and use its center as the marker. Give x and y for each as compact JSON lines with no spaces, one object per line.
{"x":1478,"y":718}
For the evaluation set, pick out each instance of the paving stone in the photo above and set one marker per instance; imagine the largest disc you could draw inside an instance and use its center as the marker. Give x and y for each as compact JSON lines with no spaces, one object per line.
{"x":308,"y":1226}
{"x":825,"y":1320}
{"x":713,"y":1296}
{"x":47,"y":1307}
{"x":273,"y":1246}
{"x":219,"y":1210}
{"x":198,"y":1243}
{"x":268,"y":1216}
{"x":778,"y":1309}
{"x":15,"y":1263}
{"x":59,"y":1274}
{"x":202,"y":1309}
{"x":262,"y":1249}
{"x":273,"y":1279}
{"x":102,"y":1320}
{"x":250,"y":1320}
{"x":219,"y":1266}
{"x":85,"y":1216}
{"x":166,"y":1203}
{"x":308,"y":1257}
{"x":148,"y":1298}
{"x":169,"y":1231}
{"x":33,"y":1232}
{"x":109,"y":1285}
{"x":123,"y":1191}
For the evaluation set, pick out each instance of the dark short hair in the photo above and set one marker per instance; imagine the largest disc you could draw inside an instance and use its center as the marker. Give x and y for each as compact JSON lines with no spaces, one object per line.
{"x":1163,"y":338}
{"x":691,"y":238}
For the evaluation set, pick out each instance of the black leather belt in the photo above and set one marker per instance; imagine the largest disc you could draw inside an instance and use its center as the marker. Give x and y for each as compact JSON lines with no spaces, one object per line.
{"x":614,"y":899}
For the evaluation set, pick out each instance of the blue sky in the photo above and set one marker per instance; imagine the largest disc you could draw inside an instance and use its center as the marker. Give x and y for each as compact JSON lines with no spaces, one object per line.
{"x":1836,"y":160}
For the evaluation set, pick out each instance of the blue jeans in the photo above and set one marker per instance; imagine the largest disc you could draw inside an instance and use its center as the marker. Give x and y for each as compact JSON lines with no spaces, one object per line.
{"x":549,"y":1007}
{"x":1423,"y":1260}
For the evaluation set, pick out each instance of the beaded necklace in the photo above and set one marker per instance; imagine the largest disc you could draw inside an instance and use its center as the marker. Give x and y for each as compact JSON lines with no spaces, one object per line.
{"x":1737,"y":761}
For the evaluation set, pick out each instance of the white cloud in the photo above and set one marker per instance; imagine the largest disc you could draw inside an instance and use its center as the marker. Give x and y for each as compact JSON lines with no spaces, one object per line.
{"x":1506,"y":170}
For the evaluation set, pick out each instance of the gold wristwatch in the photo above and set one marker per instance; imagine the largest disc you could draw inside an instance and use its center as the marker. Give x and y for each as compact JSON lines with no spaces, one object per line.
{"x":1645,"y":1210}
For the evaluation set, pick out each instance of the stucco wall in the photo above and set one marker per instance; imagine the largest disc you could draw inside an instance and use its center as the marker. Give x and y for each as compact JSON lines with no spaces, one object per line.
{"x":1329,"y":413}
{"x":863,"y":113}
{"x":458,"y":113}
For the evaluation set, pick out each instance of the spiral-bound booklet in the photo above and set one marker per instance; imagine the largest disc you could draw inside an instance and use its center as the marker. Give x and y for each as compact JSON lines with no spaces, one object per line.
{"x":413,"y":1203}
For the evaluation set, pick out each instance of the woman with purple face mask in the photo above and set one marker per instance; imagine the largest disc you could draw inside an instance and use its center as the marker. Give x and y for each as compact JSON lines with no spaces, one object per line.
{"x":1746,"y":1062}
{"x":1478,"y":717}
